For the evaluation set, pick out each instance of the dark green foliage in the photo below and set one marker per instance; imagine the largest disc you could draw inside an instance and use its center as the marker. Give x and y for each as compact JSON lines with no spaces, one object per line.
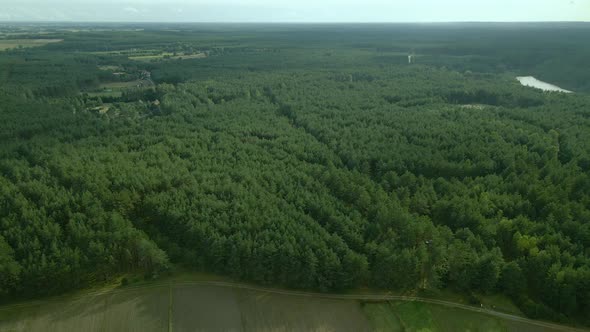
{"x":513,"y":281}
{"x":9,"y":268}
{"x":300,"y":158}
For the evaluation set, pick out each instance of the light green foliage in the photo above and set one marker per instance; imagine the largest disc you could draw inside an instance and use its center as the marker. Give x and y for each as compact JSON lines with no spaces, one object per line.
{"x":415,"y":317}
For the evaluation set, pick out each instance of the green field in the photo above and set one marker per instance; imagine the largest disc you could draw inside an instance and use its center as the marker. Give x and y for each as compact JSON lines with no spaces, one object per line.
{"x":116,"y":89}
{"x":121,"y":85}
{"x":416,"y":316}
{"x":110,"y":68}
{"x":167,"y":56}
{"x":105,"y":93}
{"x":382,"y":317}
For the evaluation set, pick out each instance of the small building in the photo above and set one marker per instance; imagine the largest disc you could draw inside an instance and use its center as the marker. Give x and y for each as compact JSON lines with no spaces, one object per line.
{"x":146,"y":74}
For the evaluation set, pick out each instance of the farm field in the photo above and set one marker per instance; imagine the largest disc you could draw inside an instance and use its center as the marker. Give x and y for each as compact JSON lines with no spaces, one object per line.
{"x":85,"y":313}
{"x":277,"y":312}
{"x":116,"y":89}
{"x":104,"y":93}
{"x":167,"y":56}
{"x":217,"y":309}
{"x":6,"y":44}
{"x":194,"y":308}
{"x":440,"y":318}
{"x":415,"y":316}
{"x":186,"y":306}
{"x":122,"y":85}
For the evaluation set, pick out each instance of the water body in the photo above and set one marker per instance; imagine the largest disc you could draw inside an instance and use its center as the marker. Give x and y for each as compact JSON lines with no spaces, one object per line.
{"x":535,"y":83}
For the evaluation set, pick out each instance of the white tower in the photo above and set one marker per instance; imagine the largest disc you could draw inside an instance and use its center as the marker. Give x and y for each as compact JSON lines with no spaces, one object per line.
{"x":411,"y":57}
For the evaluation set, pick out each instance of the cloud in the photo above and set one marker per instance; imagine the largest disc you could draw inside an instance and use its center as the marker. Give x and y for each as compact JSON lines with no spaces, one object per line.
{"x":131,"y":10}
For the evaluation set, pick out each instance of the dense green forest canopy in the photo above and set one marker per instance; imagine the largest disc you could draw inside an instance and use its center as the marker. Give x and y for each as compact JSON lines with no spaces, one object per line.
{"x":305,"y":156}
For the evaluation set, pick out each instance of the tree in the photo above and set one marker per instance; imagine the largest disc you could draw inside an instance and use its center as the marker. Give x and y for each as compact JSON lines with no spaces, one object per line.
{"x":488,"y":270}
{"x":462,"y":266}
{"x":512,"y":280}
{"x":9,"y":269}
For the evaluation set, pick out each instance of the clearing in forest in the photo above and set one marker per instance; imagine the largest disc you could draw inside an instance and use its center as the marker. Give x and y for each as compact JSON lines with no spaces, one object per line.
{"x":168,"y":56}
{"x":6,"y":44}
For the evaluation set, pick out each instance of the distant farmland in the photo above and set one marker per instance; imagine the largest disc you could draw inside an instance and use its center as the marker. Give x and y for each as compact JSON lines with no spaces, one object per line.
{"x":6,"y":44}
{"x":195,"y":307}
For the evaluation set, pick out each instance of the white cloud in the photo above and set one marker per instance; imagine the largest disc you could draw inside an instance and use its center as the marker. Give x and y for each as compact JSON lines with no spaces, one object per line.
{"x":131,"y":10}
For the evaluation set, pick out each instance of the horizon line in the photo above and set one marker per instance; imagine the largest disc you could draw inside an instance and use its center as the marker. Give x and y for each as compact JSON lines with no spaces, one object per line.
{"x":281,"y":22}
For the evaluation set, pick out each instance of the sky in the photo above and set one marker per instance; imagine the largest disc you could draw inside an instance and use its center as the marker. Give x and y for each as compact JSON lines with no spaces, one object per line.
{"x":294,"y":10}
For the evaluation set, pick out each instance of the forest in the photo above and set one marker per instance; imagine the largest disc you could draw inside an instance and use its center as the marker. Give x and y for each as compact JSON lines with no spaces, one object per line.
{"x":302,"y":156}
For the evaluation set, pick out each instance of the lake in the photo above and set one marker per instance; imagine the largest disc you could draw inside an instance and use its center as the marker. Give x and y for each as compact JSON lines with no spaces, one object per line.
{"x":535,"y":83}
